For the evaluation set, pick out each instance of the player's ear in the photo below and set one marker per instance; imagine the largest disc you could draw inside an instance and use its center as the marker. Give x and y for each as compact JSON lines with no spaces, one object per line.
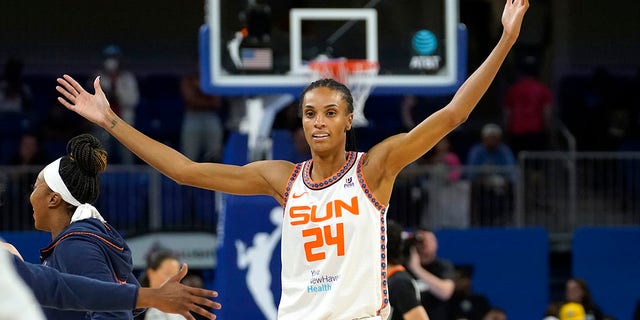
{"x":349,"y":122}
{"x":55,"y":200}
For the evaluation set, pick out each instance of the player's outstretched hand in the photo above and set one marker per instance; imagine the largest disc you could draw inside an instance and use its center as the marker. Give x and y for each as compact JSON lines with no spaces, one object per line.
{"x":93,"y":107}
{"x":512,"y":17}
{"x":174,"y":297}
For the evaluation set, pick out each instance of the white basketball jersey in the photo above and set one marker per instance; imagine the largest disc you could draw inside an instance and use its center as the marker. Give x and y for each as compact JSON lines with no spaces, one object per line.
{"x":333,"y":247}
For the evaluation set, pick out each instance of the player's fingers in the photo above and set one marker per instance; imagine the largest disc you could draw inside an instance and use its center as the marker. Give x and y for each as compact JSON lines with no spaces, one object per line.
{"x":200,"y":292}
{"x":203,"y":312}
{"x":178,"y":276}
{"x":200,"y":300}
{"x":182,"y":273}
{"x":66,"y":94}
{"x":96,"y":85}
{"x":73,"y":83}
{"x":187,"y":315}
{"x":67,"y":86}
{"x":65,"y":103}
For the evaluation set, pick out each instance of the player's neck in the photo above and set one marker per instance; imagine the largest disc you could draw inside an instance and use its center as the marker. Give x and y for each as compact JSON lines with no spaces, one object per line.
{"x":325,"y":167}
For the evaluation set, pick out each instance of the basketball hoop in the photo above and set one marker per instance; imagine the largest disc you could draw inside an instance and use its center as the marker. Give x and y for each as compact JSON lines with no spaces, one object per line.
{"x":356,"y":74}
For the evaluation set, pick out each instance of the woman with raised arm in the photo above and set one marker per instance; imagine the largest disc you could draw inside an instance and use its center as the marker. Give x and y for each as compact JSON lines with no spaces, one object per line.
{"x":333,"y":233}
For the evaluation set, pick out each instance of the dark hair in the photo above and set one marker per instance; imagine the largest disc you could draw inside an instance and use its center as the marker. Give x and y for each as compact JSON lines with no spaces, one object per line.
{"x":80,"y":169}
{"x":154,"y":261}
{"x":587,"y":300}
{"x":346,"y":95}
{"x":395,"y":245}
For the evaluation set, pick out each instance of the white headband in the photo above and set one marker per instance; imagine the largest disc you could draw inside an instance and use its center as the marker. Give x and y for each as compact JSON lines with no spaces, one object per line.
{"x":55,"y":183}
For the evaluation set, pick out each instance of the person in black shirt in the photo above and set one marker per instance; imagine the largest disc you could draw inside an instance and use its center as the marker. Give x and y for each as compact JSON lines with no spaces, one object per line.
{"x":434,"y":274}
{"x":404,"y":296}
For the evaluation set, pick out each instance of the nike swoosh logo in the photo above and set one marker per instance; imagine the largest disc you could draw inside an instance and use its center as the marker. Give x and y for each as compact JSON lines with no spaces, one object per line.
{"x":296,"y":196}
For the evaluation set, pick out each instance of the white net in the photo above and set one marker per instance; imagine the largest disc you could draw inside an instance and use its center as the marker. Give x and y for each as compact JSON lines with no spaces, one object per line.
{"x":357,"y":75}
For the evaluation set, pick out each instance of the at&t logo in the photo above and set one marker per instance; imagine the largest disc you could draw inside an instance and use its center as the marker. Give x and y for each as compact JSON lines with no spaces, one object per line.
{"x":425,"y":44}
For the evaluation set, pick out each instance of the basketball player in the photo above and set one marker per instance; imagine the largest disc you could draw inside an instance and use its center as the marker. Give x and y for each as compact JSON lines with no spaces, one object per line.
{"x":333,"y":233}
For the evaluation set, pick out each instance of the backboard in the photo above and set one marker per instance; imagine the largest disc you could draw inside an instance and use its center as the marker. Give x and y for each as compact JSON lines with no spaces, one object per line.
{"x":253,"y":47}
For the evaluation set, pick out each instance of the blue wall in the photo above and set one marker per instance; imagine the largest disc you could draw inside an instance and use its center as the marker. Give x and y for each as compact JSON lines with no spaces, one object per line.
{"x":511,"y":266}
{"x":28,"y":243}
{"x":608,"y":259}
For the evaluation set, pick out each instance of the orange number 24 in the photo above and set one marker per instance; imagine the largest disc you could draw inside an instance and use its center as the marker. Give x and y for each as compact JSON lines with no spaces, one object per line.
{"x":321,"y":237}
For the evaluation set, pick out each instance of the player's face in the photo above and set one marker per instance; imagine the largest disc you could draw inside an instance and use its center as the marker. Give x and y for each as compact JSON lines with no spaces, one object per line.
{"x":39,"y":199}
{"x":325,"y":119}
{"x":428,"y":247}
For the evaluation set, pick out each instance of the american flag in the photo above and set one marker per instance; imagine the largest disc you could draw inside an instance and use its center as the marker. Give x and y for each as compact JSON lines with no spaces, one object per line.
{"x":256,"y":58}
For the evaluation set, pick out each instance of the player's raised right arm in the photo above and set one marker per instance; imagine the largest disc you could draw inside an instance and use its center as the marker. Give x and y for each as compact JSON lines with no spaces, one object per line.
{"x":255,"y":178}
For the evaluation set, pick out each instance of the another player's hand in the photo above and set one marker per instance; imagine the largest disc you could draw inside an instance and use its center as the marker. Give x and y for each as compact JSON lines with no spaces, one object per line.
{"x":94,"y":107}
{"x":9,"y":247}
{"x":174,"y":297}
{"x":512,"y":17}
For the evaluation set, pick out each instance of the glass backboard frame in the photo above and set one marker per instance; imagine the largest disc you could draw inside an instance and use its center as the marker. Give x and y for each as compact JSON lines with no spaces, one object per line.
{"x":215,"y":80}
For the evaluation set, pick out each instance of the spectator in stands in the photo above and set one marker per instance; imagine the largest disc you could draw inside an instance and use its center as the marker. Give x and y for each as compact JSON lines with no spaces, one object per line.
{"x":489,"y":155}
{"x":577,"y":290}
{"x":29,"y":153}
{"x":444,"y":201}
{"x":445,"y":164}
{"x":527,"y":109}
{"x":492,"y":174}
{"x":202,"y":135}
{"x":495,"y":314}
{"x":404,"y":295}
{"x":161,"y":265}
{"x":435,"y":275}
{"x":121,"y":88}
{"x":15,"y":94}
{"x":61,"y":201}
{"x":465,"y":303}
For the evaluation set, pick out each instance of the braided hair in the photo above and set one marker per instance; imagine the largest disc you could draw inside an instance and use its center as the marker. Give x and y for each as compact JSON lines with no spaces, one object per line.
{"x":80,"y":169}
{"x":346,"y":95}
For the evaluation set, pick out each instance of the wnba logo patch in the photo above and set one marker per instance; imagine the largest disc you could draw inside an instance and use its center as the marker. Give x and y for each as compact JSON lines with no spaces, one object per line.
{"x":349,"y":183}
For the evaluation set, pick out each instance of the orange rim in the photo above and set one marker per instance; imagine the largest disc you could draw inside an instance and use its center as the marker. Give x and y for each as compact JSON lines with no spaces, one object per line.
{"x":339,"y":68}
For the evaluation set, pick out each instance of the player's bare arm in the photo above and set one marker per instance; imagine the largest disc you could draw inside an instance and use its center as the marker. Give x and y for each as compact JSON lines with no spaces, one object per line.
{"x":252,"y":179}
{"x":393,"y":154}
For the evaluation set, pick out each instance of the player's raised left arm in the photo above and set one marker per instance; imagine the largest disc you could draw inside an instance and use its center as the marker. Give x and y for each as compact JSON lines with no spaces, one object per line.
{"x":400,"y":150}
